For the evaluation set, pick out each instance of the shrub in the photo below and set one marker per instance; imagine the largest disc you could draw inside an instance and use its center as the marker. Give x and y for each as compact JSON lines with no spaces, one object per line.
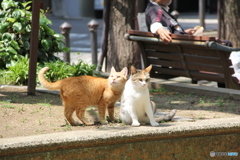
{"x":15,"y":32}
{"x":60,"y":70}
{"x":83,"y":68}
{"x":57,"y":70}
{"x":16,"y":72}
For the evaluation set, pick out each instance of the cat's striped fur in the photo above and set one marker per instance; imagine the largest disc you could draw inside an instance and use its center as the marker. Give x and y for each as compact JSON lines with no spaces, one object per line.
{"x":77,"y":93}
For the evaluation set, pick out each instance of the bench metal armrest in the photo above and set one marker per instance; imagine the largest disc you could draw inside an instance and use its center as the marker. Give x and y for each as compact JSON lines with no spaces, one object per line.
{"x":155,"y":39}
{"x":218,"y":46}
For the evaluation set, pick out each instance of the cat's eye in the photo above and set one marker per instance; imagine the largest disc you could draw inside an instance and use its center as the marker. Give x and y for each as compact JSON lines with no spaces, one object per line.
{"x":140,"y":80}
{"x":118,"y":76}
{"x":147,"y":80}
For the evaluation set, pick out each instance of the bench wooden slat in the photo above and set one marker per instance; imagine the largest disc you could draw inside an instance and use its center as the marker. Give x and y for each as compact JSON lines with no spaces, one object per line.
{"x":198,"y":75}
{"x":190,"y":66}
{"x":163,"y":55}
{"x":210,"y":77}
{"x":166,"y":63}
{"x":200,"y":51}
{"x":161,"y":48}
{"x":204,"y":67}
{"x":197,"y":50}
{"x":188,"y":58}
{"x":203,"y":60}
{"x":157,"y":71}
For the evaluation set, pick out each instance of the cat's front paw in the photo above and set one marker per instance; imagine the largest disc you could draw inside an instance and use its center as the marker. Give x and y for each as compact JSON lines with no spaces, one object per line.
{"x":155,"y":124}
{"x":135,"y":124}
{"x":112,"y":119}
{"x":104,"y":122}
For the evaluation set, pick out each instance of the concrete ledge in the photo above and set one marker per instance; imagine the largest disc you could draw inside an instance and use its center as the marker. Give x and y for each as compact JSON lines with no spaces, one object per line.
{"x":194,"y":140}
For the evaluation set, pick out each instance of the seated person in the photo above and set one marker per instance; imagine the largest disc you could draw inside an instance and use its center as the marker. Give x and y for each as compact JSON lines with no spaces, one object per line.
{"x":161,"y":22}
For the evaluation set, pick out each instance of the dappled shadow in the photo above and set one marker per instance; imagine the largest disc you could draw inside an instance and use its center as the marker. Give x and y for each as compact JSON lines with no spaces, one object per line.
{"x":195,"y":106}
{"x":19,"y":95}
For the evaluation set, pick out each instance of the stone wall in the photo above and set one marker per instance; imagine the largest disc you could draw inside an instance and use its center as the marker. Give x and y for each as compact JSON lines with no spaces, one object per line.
{"x":176,"y":140}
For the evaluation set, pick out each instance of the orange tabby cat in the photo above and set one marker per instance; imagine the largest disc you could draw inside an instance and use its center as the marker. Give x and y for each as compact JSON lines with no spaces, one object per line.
{"x":78,"y":93}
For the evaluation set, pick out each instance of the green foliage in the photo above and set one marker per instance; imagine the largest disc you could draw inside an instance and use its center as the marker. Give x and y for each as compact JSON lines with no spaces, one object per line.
{"x":59,"y":70}
{"x":16,"y":72}
{"x":83,"y":68}
{"x":15,"y":32}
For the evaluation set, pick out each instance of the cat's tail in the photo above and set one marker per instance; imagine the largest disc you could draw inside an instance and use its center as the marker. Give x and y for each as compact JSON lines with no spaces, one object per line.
{"x":168,"y":117}
{"x":45,"y":83}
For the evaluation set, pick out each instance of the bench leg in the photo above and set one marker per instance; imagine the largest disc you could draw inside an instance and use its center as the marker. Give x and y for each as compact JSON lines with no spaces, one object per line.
{"x":221,"y":85}
{"x":194,"y":81}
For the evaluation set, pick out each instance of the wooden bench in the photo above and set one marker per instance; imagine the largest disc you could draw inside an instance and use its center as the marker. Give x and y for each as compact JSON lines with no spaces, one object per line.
{"x":197,"y":57}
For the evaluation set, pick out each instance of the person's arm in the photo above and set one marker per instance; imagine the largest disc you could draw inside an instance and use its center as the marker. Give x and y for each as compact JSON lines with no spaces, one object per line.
{"x":162,"y":31}
{"x":190,"y":31}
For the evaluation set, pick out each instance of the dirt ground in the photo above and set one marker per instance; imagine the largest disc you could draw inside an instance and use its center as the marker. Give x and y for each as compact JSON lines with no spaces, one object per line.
{"x":22,"y":115}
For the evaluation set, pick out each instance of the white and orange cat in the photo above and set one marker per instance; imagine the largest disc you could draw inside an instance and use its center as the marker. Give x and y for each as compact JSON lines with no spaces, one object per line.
{"x":136,"y":107}
{"x":77,"y":93}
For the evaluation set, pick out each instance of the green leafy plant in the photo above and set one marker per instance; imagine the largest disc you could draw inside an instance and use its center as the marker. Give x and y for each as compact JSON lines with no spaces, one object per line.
{"x":17,"y":71}
{"x":220,"y":102}
{"x":201,"y":101}
{"x":59,"y":70}
{"x":15,"y":32}
{"x":83,"y":68}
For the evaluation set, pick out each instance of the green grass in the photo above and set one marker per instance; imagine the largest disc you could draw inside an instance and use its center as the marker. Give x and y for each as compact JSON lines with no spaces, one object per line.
{"x":220,"y":103}
{"x":44,"y":105}
{"x":21,"y":109}
{"x":40,"y":122}
{"x":158,"y":90}
{"x":67,"y":126}
{"x":4,"y":102}
{"x":201,"y":101}
{"x":7,"y":106}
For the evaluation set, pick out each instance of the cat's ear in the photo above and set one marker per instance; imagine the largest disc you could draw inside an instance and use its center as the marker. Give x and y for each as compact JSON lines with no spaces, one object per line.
{"x":133,"y":70}
{"x":112,"y":70}
{"x":124,"y":71}
{"x":148,"y":69}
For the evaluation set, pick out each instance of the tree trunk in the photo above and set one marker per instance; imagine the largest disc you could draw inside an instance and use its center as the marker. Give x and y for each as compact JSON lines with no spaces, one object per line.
{"x":121,"y":52}
{"x":229,"y":21}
